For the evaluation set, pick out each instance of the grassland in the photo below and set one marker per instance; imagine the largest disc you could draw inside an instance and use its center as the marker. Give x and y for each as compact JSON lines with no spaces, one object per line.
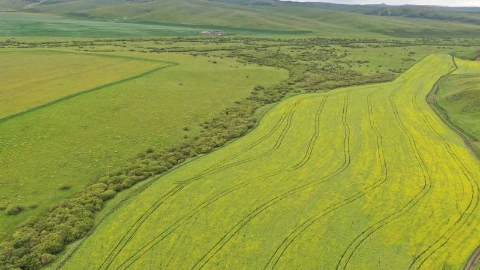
{"x":72,"y":142}
{"x":19,"y":24}
{"x":14,"y":24}
{"x":345,"y":179}
{"x":270,"y":15}
{"x":105,"y":18}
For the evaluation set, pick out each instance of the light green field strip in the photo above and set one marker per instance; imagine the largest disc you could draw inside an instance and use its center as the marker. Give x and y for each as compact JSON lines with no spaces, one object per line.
{"x":466,"y":67}
{"x":32,"y":78}
{"x":359,"y":178}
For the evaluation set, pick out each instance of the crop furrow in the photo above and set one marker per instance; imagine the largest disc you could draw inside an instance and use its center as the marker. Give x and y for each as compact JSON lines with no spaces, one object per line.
{"x":150,"y":245}
{"x":466,"y":214}
{"x":121,"y":203}
{"x":281,"y":249}
{"x":180,"y":186}
{"x":130,"y":234}
{"x":258,"y":210}
{"x":186,"y":183}
{"x":365,"y":234}
{"x":272,"y":150}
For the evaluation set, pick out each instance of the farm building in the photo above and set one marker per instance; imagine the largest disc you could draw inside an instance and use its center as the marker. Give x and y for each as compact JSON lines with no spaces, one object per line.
{"x":212,"y":33}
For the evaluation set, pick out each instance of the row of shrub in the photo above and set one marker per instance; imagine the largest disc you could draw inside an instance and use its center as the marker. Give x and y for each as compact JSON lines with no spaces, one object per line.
{"x":37,"y":242}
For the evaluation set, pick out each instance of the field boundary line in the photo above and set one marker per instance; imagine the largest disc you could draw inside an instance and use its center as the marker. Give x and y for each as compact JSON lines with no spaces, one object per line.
{"x":179,"y":187}
{"x":443,"y":115}
{"x":150,"y":181}
{"x":94,"y":54}
{"x":96,"y":88}
{"x":192,"y":180}
{"x":474,"y":195}
{"x":100,"y":87}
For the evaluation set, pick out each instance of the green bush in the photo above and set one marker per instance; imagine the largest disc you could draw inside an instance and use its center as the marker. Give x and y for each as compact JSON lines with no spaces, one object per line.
{"x":64,"y":186}
{"x":14,"y":209}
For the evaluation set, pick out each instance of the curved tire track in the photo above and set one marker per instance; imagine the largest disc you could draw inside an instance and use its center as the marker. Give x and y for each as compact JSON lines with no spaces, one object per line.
{"x":258,"y":210}
{"x":281,"y":249}
{"x":180,"y":186}
{"x":421,"y":258}
{"x":365,"y":234}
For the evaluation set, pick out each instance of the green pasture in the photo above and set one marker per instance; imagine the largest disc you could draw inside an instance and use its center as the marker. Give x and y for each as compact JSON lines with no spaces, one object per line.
{"x":261,"y":15}
{"x":18,"y":24}
{"x":13,"y":24}
{"x":72,"y":142}
{"x":364,"y":177}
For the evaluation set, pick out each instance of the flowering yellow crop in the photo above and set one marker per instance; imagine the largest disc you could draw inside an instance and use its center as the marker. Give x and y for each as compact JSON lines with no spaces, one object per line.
{"x":358,"y":178}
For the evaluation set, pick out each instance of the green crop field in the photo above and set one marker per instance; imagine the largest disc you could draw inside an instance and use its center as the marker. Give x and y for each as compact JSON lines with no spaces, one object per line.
{"x":54,"y":75}
{"x":364,"y":177}
{"x":115,"y":107}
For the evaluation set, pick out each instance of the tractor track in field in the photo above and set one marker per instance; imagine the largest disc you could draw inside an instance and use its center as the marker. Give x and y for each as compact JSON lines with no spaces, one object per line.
{"x":185,"y":219}
{"x":146,"y":248}
{"x":122,"y":202}
{"x":218,"y":167}
{"x":180,"y":186}
{"x":444,"y":116}
{"x":281,"y":249}
{"x":471,"y":208}
{"x":365,"y":234}
{"x":301,"y":163}
{"x":259,"y":209}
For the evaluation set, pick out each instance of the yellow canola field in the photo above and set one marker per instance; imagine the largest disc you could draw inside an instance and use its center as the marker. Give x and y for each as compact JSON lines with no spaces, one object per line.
{"x":358,"y":178}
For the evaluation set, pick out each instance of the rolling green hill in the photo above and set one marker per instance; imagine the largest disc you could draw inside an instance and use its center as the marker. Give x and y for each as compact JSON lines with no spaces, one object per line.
{"x":324,"y":19}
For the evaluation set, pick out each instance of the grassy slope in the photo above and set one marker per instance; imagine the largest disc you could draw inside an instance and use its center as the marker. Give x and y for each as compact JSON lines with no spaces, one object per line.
{"x":12,"y":4}
{"x":373,"y":25}
{"x":279,"y":16}
{"x":41,"y":25}
{"x":76,"y":140}
{"x":470,"y":54}
{"x":459,"y":94}
{"x":355,"y":184}
{"x":53,"y":75}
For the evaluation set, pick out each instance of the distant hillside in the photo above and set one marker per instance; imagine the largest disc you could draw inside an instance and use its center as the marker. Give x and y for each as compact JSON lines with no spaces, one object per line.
{"x":471,"y":16}
{"x":13,"y":4}
{"x":318,"y":18}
